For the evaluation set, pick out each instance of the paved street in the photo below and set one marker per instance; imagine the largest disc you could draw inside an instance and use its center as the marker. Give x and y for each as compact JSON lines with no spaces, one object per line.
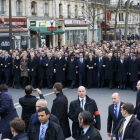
{"x":101,"y":96}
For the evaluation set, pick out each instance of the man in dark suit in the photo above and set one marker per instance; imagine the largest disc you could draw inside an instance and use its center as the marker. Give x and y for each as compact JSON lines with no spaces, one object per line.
{"x":7,"y":68}
{"x":60,"y":109}
{"x":81,"y":69}
{"x":114,"y":113}
{"x":7,"y":112}
{"x":49,"y":64}
{"x":34,"y":118}
{"x":129,"y":127}
{"x":28,"y":104}
{"x":32,"y":68}
{"x":45,"y":129}
{"x":83,"y":103}
{"x":100,"y":70}
{"x":89,"y":132}
{"x":122,"y":71}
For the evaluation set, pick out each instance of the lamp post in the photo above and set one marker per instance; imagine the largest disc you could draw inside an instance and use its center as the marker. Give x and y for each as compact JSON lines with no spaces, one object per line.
{"x":10,"y":25}
{"x":105,"y":21}
{"x":52,"y":31}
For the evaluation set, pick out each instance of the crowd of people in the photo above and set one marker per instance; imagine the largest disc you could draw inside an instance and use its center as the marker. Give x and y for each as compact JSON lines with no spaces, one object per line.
{"x":113,"y":64}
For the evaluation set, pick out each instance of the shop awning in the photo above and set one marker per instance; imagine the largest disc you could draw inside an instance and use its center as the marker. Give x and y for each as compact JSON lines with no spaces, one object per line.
{"x":108,"y":25}
{"x":44,"y":31}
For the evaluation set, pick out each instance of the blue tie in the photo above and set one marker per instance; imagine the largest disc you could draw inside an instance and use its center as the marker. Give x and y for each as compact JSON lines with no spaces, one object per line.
{"x":42,"y":133}
{"x":116,"y":111}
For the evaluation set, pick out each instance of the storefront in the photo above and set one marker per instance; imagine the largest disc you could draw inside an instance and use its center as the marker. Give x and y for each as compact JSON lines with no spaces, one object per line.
{"x":76,"y":31}
{"x":19,"y":33}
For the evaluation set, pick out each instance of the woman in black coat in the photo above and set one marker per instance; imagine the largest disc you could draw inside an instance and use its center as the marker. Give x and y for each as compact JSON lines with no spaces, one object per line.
{"x":16,"y":72}
{"x":41,"y":71}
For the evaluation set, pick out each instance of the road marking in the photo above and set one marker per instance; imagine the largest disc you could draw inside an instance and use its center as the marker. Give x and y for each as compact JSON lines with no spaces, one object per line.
{"x":17,"y":105}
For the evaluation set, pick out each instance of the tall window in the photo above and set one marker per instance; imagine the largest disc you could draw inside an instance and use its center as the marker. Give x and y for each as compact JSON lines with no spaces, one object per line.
{"x":18,"y":6}
{"x":121,"y":17}
{"x":60,"y":11}
{"x":76,"y":11}
{"x":33,"y":8}
{"x":46,"y":13}
{"x":68,"y":11}
{"x":1,"y":6}
{"x":83,"y":11}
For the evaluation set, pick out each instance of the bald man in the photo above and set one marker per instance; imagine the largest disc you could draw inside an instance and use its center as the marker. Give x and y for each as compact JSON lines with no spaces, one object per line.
{"x":114,"y":113}
{"x":83,"y":103}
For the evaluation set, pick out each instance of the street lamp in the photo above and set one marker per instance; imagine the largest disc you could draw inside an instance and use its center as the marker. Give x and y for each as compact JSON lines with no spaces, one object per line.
{"x":52,"y":21}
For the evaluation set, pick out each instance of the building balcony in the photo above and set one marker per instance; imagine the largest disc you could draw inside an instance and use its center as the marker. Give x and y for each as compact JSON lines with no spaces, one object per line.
{"x":46,"y":14}
{"x":19,"y":13}
{"x":34,"y":14}
{"x":2,"y":12}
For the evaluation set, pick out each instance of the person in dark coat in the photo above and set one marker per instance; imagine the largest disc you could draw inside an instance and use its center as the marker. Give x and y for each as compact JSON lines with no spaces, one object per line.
{"x":137,"y":108}
{"x":51,"y":130}
{"x":7,"y":68}
{"x":7,"y":112}
{"x":32,"y":68}
{"x":83,"y":103}
{"x":49,"y":64}
{"x":109,"y":65}
{"x":122,"y":69}
{"x":60,"y":109}
{"x":41,"y":71}
{"x":34,"y":118}
{"x":24,"y":70}
{"x":91,"y":71}
{"x":100,"y":70}
{"x":89,"y":132}
{"x":1,"y":68}
{"x":81,"y":70}
{"x":60,"y":69}
{"x":130,"y":125}
{"x":17,"y":128}
{"x":17,"y":72}
{"x":134,"y":68}
{"x":114,"y":113}
{"x":28,"y":104}
{"x":71,"y":70}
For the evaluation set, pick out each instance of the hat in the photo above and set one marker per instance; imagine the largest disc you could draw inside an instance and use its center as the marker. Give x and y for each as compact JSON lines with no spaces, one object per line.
{"x":72,"y":54}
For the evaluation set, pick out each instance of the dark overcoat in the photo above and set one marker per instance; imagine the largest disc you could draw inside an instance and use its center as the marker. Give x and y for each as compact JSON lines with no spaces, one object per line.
{"x":32,"y":65}
{"x":71,"y":69}
{"x":20,"y":136}
{"x":7,"y":111}
{"x":60,"y":110}
{"x":60,"y":73}
{"x":1,"y":65}
{"x":41,"y":69}
{"x":8,"y":68}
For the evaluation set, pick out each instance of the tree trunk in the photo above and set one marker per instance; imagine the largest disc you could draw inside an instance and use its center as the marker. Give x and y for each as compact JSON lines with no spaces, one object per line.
{"x":126,"y":19}
{"x":94,"y":7}
{"x":116,"y":19}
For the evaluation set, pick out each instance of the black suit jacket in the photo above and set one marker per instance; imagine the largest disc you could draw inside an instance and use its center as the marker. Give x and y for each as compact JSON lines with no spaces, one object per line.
{"x":28,"y":106}
{"x":91,"y":134}
{"x":112,"y":118}
{"x":132,"y":131}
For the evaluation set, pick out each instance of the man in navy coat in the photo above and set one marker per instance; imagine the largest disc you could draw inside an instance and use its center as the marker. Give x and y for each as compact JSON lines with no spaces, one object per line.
{"x":7,"y":68}
{"x":81,"y":65}
{"x":7,"y":112}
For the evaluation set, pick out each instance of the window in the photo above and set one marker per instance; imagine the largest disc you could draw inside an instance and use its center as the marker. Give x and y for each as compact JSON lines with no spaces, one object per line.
{"x":121,"y":17}
{"x":83,"y":11}
{"x":1,"y":6}
{"x":46,"y":13}
{"x":60,"y":10}
{"x":18,"y":8}
{"x":76,"y":11}
{"x":33,"y":8}
{"x":68,"y":11}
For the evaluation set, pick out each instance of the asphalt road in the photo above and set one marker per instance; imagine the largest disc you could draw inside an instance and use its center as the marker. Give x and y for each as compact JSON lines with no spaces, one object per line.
{"x":101,"y":96}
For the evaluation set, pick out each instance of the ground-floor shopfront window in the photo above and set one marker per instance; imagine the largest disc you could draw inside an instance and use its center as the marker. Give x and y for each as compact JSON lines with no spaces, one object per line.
{"x":75,"y":36}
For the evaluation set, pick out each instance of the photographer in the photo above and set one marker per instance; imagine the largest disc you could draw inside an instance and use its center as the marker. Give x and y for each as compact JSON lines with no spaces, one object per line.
{"x":28,"y":104}
{"x":7,"y":112}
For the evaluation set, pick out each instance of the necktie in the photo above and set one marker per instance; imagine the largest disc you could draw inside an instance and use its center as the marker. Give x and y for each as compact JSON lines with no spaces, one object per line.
{"x":116,"y":111}
{"x":42,"y":133}
{"x":71,"y":60}
{"x":82,"y":103}
{"x":121,"y":130}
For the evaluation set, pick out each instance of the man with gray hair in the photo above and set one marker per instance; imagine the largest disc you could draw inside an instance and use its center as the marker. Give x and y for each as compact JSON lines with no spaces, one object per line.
{"x":34,"y":118}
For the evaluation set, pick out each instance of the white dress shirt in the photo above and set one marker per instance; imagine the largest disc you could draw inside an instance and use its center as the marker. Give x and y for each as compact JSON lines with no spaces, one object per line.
{"x":84,"y":102}
{"x":125,"y":124}
{"x":85,"y":130}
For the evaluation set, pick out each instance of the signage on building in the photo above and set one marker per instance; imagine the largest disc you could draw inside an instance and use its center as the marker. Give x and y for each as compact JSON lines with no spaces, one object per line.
{"x":32,"y":23}
{"x":51,"y":28}
{"x":16,"y":22}
{"x":5,"y":43}
{"x":76,"y":22}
